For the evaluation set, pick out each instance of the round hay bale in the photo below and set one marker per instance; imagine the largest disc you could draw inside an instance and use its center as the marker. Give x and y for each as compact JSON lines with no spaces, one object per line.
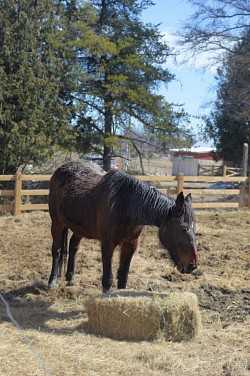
{"x":133,"y":315}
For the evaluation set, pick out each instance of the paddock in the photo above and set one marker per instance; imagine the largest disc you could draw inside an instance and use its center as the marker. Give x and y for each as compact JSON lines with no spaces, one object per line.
{"x":54,"y":338}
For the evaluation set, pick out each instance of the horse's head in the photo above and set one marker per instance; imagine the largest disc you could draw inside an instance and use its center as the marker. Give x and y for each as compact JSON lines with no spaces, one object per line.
{"x":177,"y":234}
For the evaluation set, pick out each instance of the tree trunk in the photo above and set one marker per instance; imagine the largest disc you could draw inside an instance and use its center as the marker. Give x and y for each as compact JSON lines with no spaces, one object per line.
{"x":140,"y":157}
{"x":108,"y":120}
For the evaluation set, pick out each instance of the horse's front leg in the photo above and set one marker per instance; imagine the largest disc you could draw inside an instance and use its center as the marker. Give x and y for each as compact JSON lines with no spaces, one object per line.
{"x":127,"y":250}
{"x":73,"y":248}
{"x":107,"y":276}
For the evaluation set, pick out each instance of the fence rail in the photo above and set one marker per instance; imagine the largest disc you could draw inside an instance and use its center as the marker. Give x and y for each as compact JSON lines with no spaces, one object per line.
{"x":201,"y":188}
{"x":213,"y":170}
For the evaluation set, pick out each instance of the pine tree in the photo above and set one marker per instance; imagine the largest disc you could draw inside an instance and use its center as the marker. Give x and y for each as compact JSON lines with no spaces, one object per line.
{"x":122,"y":64}
{"x":229,"y":123}
{"x":34,"y":114}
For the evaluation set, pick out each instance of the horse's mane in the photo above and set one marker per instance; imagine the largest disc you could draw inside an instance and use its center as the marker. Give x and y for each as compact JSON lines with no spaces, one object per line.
{"x":135,"y":201}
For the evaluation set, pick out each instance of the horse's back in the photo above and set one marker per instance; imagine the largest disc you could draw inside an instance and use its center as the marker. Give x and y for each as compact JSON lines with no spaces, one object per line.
{"x":83,"y":172}
{"x":71,"y":186}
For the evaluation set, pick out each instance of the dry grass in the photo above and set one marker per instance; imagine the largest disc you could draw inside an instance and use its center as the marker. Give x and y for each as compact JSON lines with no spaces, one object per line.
{"x":56,"y":322}
{"x":157,"y":166}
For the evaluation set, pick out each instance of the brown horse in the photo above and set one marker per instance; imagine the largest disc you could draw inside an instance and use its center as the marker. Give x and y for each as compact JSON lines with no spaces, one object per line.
{"x":113,"y":208}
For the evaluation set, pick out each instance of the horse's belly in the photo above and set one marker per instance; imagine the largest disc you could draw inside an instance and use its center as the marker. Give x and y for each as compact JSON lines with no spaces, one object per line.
{"x":85,"y":217}
{"x":84,"y":229}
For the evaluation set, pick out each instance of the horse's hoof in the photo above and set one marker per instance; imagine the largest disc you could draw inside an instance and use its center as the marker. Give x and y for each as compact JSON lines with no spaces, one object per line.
{"x":52,"y":284}
{"x":70,"y":283}
{"x":105,"y":291}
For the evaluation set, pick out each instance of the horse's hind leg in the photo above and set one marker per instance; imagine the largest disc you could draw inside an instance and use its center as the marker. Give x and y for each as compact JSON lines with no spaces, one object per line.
{"x":57,"y":230}
{"x":73,"y":247}
{"x":127,"y":250}
{"x":63,"y":253}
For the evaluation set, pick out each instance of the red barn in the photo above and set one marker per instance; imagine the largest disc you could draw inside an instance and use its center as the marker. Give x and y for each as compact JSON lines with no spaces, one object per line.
{"x":196,"y":153}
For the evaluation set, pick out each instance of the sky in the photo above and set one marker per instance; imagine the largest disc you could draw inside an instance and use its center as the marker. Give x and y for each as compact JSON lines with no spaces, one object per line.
{"x":193,"y":87}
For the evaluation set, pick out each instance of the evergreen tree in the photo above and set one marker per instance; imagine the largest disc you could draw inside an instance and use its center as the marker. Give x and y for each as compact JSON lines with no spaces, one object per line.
{"x":75,"y":67}
{"x":34,"y":111}
{"x":122,"y":64}
{"x":229,"y":123}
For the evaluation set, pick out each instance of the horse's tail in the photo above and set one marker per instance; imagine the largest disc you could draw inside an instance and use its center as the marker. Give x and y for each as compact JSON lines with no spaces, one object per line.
{"x":63,"y":253}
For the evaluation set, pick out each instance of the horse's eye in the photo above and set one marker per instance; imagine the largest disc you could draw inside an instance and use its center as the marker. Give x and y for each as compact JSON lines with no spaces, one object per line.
{"x":192,"y":227}
{"x":187,"y":227}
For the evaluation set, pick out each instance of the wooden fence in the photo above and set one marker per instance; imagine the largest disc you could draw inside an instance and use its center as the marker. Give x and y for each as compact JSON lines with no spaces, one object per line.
{"x":202,"y":188}
{"x":213,"y":170}
{"x":17,"y":194}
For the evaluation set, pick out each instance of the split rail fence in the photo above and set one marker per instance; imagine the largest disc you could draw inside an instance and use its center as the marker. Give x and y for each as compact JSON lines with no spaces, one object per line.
{"x":19,"y":199}
{"x":204,"y":170}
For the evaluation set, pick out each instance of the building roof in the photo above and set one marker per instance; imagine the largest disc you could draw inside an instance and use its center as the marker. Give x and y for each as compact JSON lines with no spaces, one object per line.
{"x":199,"y":149}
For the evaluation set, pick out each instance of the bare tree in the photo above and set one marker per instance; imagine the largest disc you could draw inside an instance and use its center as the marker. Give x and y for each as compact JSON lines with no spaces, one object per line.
{"x":215,"y":26}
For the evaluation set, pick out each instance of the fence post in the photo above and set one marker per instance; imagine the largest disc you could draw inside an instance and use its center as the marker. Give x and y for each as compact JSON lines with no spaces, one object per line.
{"x":249,"y":191}
{"x":180,"y":182}
{"x":224,"y":170}
{"x":18,"y":197}
{"x":245,"y":159}
{"x":213,"y":170}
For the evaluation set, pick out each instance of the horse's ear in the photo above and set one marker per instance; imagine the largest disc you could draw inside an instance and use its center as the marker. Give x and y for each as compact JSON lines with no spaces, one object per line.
{"x":180,"y":201}
{"x":188,"y":198}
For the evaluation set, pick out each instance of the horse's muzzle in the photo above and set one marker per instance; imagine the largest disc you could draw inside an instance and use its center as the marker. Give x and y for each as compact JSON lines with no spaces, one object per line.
{"x":186,"y":269}
{"x":191,"y":267}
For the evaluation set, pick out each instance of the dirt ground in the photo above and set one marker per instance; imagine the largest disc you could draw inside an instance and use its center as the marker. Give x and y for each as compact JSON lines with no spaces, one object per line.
{"x":51,"y":336}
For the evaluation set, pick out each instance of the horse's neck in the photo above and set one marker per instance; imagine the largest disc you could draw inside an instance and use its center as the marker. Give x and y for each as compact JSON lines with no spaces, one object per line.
{"x":136,"y":202}
{"x":153,"y":211}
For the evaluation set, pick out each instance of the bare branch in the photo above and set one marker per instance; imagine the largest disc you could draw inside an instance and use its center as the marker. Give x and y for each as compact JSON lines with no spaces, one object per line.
{"x":215,"y":26}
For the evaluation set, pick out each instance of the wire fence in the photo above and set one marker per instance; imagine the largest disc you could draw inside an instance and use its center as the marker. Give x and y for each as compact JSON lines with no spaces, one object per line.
{"x":25,"y":337}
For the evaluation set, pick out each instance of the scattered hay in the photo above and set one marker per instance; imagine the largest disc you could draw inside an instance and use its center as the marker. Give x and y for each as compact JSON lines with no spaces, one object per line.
{"x":132,"y":315}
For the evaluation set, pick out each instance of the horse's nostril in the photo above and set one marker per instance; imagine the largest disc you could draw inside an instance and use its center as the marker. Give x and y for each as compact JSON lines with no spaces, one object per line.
{"x":192,"y":266}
